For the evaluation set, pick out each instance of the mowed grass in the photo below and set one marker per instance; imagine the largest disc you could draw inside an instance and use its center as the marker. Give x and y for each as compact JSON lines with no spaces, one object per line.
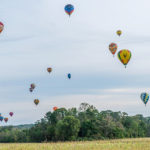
{"x":127,"y":144}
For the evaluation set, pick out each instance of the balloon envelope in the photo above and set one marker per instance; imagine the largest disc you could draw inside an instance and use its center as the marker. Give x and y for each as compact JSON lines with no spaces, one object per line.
{"x":30,"y":89}
{"x":49,"y":70}
{"x":1,"y":118}
{"x":124,"y":56}
{"x":36,"y":101}
{"x":55,"y":108}
{"x":6,"y":119}
{"x":113,"y":48}
{"x":69,"y":9}
{"x":1,"y":27}
{"x":32,"y":86}
{"x":11,"y":114}
{"x":69,"y":76}
{"x":119,"y":32}
{"x":144,"y":97}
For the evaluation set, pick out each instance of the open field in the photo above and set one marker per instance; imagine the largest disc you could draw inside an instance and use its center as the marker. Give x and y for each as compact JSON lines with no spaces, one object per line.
{"x":127,"y":144}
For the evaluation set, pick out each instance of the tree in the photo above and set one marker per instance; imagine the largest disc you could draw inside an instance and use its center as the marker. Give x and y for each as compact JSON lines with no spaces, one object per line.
{"x":68,"y":128}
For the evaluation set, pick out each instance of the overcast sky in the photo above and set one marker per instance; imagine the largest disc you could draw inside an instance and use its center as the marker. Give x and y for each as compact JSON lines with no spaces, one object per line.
{"x":39,"y":34}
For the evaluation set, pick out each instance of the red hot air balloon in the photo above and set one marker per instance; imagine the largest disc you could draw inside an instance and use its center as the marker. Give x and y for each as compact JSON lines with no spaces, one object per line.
{"x":11,"y":114}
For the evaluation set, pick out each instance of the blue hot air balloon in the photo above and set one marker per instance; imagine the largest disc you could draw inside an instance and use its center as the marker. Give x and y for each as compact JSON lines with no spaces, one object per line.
{"x":69,"y":76}
{"x":69,"y":9}
{"x":1,"y":118}
{"x":144,"y":98}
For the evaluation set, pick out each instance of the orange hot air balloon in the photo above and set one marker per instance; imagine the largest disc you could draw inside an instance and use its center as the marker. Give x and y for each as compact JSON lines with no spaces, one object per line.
{"x":1,"y":27}
{"x":49,"y":70}
{"x":36,"y":101}
{"x":55,"y":108}
{"x":6,"y":119}
{"x":113,"y":48}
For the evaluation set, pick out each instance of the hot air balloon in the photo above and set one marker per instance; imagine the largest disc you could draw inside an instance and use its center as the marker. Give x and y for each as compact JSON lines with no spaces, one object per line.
{"x":36,"y":101}
{"x":113,"y":48}
{"x":11,"y":114}
{"x":55,"y":108}
{"x":119,"y":32}
{"x":124,"y":56}
{"x":1,"y":118}
{"x":69,"y":76}
{"x":144,"y":98}
{"x":1,"y":27}
{"x":49,"y":70}
{"x":30,"y":89}
{"x":69,"y":9}
{"x":6,"y":119}
{"x":32,"y":86}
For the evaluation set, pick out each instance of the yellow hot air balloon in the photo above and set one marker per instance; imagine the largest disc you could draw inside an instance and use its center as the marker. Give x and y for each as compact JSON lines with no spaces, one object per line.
{"x":119,"y":32}
{"x":124,"y":56}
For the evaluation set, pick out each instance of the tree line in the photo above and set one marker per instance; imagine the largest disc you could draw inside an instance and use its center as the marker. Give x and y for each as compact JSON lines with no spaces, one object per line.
{"x":84,"y":123}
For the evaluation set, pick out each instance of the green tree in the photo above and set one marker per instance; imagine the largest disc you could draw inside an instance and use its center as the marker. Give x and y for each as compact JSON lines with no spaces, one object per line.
{"x":68,"y":128}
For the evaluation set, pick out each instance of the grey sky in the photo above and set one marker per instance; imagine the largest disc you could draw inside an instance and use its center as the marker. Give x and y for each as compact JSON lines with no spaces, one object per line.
{"x":39,"y":34}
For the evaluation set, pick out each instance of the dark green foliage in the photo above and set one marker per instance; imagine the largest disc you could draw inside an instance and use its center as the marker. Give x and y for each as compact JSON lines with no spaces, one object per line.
{"x":68,"y":128}
{"x":85,"y":123}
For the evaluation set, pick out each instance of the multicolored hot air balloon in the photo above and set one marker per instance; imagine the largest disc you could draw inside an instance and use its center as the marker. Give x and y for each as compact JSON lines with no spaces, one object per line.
{"x":49,"y":70}
{"x":36,"y":101}
{"x":11,"y":114}
{"x":119,"y":32}
{"x":69,"y":76}
{"x":6,"y":119}
{"x":124,"y":56}
{"x":144,"y":98}
{"x":1,"y":118}
{"x":113,"y":48}
{"x":55,"y":108}
{"x":69,"y":9}
{"x":1,"y":27}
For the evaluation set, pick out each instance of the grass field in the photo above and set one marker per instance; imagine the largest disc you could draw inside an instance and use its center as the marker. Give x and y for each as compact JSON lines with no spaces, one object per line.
{"x":127,"y":144}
